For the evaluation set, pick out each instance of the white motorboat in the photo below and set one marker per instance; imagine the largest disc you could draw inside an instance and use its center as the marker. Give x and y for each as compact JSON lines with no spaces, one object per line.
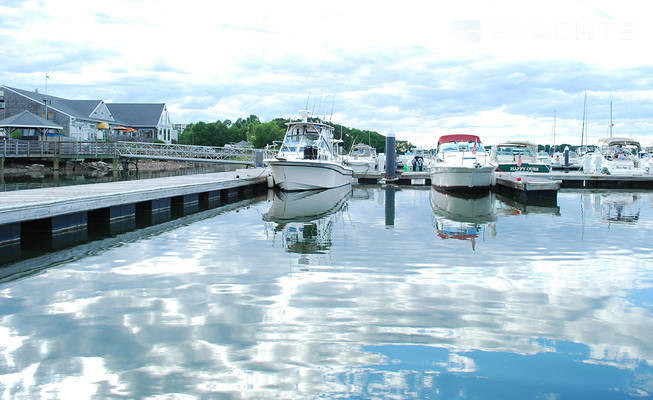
{"x":519,"y":156}
{"x":616,"y":156}
{"x":307,"y":159}
{"x":362,"y":158}
{"x":461,"y":164}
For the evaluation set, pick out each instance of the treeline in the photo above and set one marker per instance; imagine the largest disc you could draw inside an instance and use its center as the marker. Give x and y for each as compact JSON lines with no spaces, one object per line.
{"x":259,"y":134}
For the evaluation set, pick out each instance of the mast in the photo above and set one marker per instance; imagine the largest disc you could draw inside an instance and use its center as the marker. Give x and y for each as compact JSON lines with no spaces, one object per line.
{"x":554,"y":130}
{"x":611,"y":124}
{"x":582,"y":132}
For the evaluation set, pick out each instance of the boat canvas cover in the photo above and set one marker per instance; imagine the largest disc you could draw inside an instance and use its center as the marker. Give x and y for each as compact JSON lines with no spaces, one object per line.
{"x":458,"y":138}
{"x":618,"y":141}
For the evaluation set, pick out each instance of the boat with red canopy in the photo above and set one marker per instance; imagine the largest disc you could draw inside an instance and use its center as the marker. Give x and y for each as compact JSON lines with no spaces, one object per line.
{"x":461,"y":164}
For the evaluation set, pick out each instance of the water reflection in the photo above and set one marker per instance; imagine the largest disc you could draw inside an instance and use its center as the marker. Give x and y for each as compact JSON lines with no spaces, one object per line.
{"x":305,"y":218}
{"x":460,"y":217}
{"x":617,"y":207}
{"x":209,"y":310}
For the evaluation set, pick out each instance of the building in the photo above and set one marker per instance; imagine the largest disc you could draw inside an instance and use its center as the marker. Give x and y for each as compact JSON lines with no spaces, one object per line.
{"x":151,"y":120}
{"x":85,"y":120}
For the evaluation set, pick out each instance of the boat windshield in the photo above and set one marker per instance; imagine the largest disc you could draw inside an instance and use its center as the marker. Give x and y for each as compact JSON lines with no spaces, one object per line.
{"x":293,"y":142}
{"x":361,"y":152}
{"x":514,"y":150}
{"x":461,"y":146}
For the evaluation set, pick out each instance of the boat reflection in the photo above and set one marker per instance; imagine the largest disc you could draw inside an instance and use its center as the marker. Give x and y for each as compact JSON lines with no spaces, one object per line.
{"x":305,"y":219}
{"x":462,"y":218}
{"x":617,"y":207}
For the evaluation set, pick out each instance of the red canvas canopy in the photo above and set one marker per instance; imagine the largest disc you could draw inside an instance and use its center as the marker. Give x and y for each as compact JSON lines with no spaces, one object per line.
{"x":458,"y":138}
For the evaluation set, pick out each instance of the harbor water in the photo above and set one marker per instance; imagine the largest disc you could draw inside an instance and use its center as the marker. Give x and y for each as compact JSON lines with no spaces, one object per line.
{"x":363,"y":292}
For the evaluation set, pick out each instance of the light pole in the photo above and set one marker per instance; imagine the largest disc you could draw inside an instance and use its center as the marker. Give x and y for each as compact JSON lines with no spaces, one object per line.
{"x":46,"y":95}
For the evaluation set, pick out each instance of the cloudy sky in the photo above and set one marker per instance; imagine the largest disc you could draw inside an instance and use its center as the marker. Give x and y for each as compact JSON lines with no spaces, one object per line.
{"x":498,"y":69}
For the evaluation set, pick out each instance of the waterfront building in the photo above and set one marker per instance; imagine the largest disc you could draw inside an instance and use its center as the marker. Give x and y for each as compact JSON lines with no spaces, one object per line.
{"x":86,"y":120}
{"x":151,"y":120}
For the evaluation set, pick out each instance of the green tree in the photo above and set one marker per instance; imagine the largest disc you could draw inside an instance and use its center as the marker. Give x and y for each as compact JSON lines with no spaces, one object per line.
{"x":265,"y":133}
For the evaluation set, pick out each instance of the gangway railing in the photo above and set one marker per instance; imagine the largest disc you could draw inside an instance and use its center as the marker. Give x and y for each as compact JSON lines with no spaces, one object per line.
{"x":180,"y":152}
{"x":37,"y":148}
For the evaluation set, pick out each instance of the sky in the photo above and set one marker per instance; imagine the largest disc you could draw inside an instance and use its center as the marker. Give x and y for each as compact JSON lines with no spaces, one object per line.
{"x":498,"y":69}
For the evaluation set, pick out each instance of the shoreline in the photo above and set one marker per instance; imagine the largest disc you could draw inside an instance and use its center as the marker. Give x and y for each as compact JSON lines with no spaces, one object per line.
{"x":91,"y":169}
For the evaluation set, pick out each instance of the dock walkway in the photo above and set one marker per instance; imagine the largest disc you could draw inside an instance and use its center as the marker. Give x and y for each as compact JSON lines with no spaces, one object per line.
{"x":22,"y":205}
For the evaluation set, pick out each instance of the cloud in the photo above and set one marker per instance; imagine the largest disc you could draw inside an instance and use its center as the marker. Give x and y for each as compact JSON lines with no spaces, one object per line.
{"x":240,"y":59}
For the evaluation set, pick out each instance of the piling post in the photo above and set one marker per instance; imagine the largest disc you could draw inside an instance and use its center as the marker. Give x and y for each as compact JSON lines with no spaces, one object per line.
{"x":390,"y":156}
{"x":566,"y":156}
{"x":258,"y":158}
{"x":390,"y":207}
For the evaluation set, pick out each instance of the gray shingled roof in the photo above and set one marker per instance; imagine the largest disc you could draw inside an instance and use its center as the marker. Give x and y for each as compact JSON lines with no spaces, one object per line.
{"x":27,"y":119}
{"x":76,"y":108}
{"x":136,"y":114}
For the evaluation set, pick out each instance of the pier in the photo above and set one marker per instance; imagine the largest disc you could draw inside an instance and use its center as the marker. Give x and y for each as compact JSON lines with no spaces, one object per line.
{"x":60,"y":216}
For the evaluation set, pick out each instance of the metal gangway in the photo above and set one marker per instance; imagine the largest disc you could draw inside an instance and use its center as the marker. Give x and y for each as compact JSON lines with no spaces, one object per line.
{"x":181,"y":152}
{"x":133,"y":151}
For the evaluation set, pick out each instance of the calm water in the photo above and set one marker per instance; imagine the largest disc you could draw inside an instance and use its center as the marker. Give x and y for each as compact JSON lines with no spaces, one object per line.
{"x":438,"y":298}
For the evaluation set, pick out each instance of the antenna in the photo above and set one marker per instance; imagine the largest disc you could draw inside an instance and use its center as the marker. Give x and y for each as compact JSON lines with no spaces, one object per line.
{"x":313,"y":112}
{"x":320,"y":106}
{"x":307,"y":98}
{"x":333,"y":101}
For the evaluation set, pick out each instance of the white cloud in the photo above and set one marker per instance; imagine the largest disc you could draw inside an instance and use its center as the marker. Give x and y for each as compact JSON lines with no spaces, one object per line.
{"x":391,"y":67}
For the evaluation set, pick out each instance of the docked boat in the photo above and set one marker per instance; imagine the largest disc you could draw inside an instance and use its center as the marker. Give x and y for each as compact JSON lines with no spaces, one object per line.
{"x":362,"y":158}
{"x":307,"y":158}
{"x":518,"y":156}
{"x":616,"y":156}
{"x":461,"y":165}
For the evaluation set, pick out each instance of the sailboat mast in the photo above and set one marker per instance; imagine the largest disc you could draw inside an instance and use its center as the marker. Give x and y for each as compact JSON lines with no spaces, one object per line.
{"x":554,"y":130}
{"x":582,"y":132}
{"x":611,"y":124}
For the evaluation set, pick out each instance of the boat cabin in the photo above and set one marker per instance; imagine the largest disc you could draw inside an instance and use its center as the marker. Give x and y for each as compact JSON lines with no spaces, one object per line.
{"x":511,"y":151}
{"x":619,"y":148}
{"x":306,"y":140}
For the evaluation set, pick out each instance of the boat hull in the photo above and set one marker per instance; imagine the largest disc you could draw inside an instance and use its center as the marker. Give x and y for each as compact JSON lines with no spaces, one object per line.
{"x":461,"y":179}
{"x":308,"y":174}
{"x":361,"y":166}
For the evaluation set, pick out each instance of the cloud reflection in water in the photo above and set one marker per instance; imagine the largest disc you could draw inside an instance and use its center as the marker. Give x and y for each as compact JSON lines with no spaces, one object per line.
{"x":381,"y":312}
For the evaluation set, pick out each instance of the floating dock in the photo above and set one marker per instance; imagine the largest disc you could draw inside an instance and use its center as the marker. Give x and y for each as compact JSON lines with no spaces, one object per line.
{"x":579,"y":180}
{"x":529,"y":189}
{"x":60,"y":216}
